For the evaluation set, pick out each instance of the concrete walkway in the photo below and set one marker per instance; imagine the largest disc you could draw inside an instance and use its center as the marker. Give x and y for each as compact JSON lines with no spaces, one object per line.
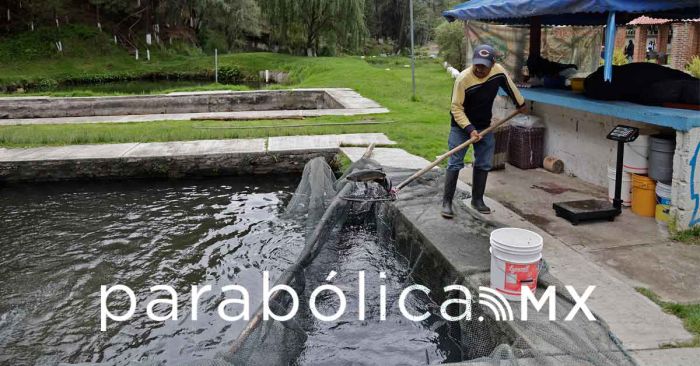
{"x":640,"y":324}
{"x":189,"y":148}
{"x":276,"y":155}
{"x":392,"y":158}
{"x":632,"y":247}
{"x":233,"y":116}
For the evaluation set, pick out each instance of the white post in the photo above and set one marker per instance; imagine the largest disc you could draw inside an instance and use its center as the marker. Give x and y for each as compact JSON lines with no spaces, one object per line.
{"x":216,"y":65}
{"x":148,"y":54}
{"x":137,"y":53}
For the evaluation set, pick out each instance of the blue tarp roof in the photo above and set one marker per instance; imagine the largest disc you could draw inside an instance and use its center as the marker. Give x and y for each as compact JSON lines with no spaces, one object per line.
{"x":571,"y":12}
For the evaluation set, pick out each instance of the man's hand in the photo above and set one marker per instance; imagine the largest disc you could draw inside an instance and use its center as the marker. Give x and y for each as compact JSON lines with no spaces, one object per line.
{"x":523,"y":110}
{"x":476,"y":136}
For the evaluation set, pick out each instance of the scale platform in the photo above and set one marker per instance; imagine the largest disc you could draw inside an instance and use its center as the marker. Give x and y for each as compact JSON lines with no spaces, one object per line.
{"x":587,"y":210}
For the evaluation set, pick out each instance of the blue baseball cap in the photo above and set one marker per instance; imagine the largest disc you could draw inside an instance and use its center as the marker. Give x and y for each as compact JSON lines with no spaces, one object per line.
{"x":484,"y":55}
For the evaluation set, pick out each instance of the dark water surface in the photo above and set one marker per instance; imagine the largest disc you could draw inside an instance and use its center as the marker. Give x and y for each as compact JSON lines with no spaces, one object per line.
{"x":60,"y":242}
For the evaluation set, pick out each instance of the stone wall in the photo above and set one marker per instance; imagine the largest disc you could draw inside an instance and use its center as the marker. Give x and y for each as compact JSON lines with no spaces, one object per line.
{"x":248,"y":163}
{"x":579,"y":139}
{"x":686,"y":43}
{"x":686,"y":178}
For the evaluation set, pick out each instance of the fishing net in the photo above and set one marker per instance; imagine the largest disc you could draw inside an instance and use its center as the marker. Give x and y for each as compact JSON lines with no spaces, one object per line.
{"x":318,"y":202}
{"x":537,"y":341}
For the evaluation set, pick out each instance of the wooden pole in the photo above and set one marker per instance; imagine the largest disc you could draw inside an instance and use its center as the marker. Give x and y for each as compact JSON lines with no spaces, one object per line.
{"x":441,"y":158}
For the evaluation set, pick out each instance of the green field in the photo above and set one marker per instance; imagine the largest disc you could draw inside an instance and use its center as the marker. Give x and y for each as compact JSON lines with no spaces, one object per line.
{"x":420,"y":126}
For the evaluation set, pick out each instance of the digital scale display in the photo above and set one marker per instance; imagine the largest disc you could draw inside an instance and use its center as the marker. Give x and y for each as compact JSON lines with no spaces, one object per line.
{"x":624,"y":134}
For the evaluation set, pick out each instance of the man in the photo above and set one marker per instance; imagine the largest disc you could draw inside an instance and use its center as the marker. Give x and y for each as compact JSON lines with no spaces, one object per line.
{"x":629,"y":51}
{"x":472,"y":100}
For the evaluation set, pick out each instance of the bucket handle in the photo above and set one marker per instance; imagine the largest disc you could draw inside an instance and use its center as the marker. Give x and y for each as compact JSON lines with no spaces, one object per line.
{"x":631,"y":147}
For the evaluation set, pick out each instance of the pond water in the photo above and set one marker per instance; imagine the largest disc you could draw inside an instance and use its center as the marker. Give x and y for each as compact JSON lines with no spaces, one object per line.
{"x":60,"y":242}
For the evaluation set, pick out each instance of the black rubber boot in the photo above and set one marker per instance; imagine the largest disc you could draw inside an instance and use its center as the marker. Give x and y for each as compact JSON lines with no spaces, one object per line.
{"x":478,"y":188}
{"x":450,"y":186}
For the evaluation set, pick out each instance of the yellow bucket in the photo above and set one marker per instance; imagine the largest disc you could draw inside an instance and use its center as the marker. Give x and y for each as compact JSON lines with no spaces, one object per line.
{"x":643,"y":196}
{"x":663,"y":216}
{"x":577,"y":84}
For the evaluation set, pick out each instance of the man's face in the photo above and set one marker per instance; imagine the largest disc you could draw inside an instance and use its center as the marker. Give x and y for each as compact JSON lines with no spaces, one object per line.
{"x":481,"y":71}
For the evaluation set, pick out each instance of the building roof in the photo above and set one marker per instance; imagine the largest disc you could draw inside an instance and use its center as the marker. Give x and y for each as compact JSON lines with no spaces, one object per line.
{"x":571,"y":12}
{"x":645,"y":20}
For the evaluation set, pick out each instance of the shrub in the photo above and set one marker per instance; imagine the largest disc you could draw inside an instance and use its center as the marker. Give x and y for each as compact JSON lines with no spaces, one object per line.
{"x":47,"y":84}
{"x":619,"y":58}
{"x":694,"y":66}
{"x":450,"y":38}
{"x":230,"y":75}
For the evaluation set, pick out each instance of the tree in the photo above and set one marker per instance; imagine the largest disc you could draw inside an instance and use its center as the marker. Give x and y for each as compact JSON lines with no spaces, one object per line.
{"x":235,"y":20}
{"x":310,"y":23}
{"x":450,"y":38}
{"x":390,"y":19}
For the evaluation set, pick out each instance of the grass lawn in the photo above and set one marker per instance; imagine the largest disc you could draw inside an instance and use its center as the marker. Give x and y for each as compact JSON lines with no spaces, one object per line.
{"x":690,"y":236}
{"x":690,"y":314}
{"x":420,"y":127}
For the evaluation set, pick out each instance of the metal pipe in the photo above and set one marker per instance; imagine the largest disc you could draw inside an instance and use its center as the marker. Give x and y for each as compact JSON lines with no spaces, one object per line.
{"x":413,"y":53}
{"x":609,"y":47}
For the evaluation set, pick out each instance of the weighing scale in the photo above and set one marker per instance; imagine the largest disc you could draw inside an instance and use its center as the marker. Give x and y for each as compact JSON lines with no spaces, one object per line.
{"x":588,"y":210}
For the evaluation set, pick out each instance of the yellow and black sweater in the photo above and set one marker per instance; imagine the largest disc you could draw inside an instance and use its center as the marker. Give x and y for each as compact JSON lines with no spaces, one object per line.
{"x":472,"y":98}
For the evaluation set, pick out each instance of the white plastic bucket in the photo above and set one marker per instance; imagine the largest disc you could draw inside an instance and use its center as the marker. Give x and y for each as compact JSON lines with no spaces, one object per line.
{"x":637,"y":156}
{"x":663,"y":194}
{"x":626,"y":186}
{"x":515,"y":260}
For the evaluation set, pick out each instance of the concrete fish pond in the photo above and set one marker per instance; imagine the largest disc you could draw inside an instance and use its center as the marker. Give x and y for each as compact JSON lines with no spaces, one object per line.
{"x":257,"y":104}
{"x":79,"y":256}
